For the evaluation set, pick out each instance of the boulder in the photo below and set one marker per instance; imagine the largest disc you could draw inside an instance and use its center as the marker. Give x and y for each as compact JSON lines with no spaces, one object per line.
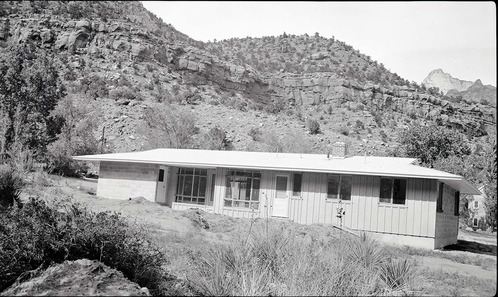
{"x":82,"y":25}
{"x":77,"y":39}
{"x":77,"y":278}
{"x":46,"y":36}
{"x":61,"y":41}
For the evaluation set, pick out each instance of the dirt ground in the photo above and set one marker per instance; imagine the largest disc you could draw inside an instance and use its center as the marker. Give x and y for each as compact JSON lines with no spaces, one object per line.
{"x":473,"y":259}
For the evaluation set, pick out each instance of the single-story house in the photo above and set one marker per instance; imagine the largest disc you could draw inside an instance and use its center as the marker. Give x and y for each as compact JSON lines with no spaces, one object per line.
{"x":477,"y":211}
{"x":389,"y":198}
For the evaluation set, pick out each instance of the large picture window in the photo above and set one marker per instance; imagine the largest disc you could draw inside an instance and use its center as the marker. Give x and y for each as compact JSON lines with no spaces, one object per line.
{"x":339,"y":186}
{"x":242,"y":189}
{"x":191,"y":186}
{"x":392,"y":190}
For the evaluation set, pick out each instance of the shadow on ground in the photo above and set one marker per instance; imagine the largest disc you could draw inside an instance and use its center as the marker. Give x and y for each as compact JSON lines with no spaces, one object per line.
{"x":473,"y":247}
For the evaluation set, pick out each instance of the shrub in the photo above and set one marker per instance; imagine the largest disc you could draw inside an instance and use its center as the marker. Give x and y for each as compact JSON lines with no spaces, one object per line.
{"x":360,"y":125}
{"x":329,"y":110}
{"x":279,"y":261}
{"x":38,"y":234}
{"x":255,"y":134}
{"x":122,"y":92}
{"x":216,"y":139}
{"x":10,"y":187}
{"x":344,"y":131}
{"x":313,"y":126}
{"x":397,"y":273}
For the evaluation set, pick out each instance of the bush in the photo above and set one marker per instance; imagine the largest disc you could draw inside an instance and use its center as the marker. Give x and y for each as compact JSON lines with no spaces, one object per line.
{"x":255,"y":134}
{"x":313,"y":126}
{"x":216,"y":139}
{"x":122,"y":92}
{"x":344,"y":131}
{"x":38,"y":234}
{"x":10,"y":187}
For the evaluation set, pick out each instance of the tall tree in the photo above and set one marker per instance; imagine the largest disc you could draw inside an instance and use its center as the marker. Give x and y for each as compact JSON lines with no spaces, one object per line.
{"x":432,"y":142}
{"x":30,"y":88}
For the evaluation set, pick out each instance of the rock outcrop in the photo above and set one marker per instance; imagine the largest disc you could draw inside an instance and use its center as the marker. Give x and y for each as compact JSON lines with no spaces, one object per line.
{"x":445,"y":82}
{"x":77,"y":278}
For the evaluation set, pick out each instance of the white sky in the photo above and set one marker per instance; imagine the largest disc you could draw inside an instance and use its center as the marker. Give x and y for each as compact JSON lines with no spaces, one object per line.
{"x":409,"y":38}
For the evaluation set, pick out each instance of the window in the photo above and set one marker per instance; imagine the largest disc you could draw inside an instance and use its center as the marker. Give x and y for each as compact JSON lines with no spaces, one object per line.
{"x":242,"y":189}
{"x":476,"y":222}
{"x":339,"y":186}
{"x":296,"y":184}
{"x":213,"y":183}
{"x":191,"y":186}
{"x":457,"y":203}
{"x":439,"y":204}
{"x":161,"y":175}
{"x":392,"y":190}
{"x":476,"y":204}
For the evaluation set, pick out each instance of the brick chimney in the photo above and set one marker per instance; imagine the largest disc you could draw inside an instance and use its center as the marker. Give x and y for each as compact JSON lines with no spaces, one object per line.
{"x":338,"y":150}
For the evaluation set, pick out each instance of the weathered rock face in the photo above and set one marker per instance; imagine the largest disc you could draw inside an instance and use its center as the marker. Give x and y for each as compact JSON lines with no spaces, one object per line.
{"x":445,"y":82}
{"x":78,"y":278}
{"x":118,"y":40}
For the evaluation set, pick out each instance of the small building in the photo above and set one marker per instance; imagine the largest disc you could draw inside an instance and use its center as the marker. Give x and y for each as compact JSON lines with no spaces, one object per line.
{"x":389,"y":198}
{"x":477,"y":211}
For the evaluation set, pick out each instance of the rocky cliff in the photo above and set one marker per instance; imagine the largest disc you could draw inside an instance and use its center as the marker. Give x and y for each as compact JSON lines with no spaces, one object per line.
{"x":445,"y":82}
{"x":119,"y":51}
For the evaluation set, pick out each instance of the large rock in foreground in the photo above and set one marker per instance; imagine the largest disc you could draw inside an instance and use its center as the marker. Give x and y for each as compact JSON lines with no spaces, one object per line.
{"x":77,"y":278}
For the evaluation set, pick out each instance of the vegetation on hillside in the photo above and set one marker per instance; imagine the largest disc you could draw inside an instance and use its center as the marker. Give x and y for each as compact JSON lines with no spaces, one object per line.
{"x":304,"y":54}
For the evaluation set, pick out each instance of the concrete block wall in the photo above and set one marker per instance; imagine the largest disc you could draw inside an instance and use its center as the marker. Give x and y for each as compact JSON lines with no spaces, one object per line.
{"x":446,"y":221}
{"x":122,"y":180}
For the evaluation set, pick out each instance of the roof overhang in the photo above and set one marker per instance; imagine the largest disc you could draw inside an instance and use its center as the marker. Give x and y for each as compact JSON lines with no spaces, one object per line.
{"x":371,"y":166}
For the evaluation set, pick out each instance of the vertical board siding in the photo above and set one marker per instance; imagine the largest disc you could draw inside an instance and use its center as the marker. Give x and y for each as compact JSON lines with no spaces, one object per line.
{"x":364,"y":212}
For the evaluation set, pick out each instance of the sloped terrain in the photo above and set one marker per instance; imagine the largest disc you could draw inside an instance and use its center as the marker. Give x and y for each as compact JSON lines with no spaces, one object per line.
{"x":183,"y":235}
{"x":125,"y":59}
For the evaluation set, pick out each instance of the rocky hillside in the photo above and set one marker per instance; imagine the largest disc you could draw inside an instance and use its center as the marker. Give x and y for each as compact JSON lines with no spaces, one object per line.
{"x":127,"y":61}
{"x":477,"y":92}
{"x":445,"y":82}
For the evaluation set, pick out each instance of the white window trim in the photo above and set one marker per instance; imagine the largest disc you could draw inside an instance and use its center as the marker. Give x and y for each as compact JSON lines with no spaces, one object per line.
{"x":249,"y":209}
{"x":301,"y":187}
{"x":392,"y":192}
{"x":339,"y":189}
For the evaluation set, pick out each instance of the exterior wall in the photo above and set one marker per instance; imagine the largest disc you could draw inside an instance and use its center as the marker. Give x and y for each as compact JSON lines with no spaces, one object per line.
{"x":121,"y":180}
{"x":364,"y":212}
{"x":415,"y":223}
{"x":446,"y":221}
{"x":399,"y":239}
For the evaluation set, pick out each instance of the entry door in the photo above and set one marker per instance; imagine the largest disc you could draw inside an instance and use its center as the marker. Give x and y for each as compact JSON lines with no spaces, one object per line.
{"x":162,"y":182}
{"x":281,"y":199}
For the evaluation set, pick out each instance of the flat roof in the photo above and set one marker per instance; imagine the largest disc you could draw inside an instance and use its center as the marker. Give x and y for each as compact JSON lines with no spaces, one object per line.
{"x":359,"y":165}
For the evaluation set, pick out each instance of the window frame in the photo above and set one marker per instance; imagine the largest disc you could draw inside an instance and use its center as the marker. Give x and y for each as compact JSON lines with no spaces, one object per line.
{"x":403,"y":185}
{"x":339,"y":187}
{"x":299,"y":193}
{"x":439,"y":201}
{"x":200,"y":173}
{"x":456,"y":210}
{"x":254,"y":202}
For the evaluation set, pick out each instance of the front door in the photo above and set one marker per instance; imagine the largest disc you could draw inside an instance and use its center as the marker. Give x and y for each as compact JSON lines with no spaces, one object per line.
{"x":162,"y":181}
{"x":281,"y":199}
